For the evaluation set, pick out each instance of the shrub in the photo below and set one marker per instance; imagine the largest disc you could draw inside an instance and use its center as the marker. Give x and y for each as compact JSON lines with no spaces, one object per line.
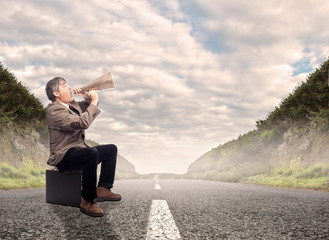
{"x":7,"y":171}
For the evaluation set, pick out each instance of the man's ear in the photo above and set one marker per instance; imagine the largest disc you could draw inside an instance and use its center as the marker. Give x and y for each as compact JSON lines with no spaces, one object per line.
{"x":56,"y":94}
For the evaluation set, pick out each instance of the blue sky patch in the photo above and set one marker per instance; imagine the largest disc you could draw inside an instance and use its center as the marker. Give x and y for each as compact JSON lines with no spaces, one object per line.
{"x":303,"y":66}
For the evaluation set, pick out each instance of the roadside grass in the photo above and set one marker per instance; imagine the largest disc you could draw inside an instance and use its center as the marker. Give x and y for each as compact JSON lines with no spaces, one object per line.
{"x":27,"y":176}
{"x":295,"y":175}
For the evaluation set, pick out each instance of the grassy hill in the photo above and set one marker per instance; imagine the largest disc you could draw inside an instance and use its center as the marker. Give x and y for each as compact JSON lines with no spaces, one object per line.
{"x":23,"y":131}
{"x":24,"y":143}
{"x":288,"y":148}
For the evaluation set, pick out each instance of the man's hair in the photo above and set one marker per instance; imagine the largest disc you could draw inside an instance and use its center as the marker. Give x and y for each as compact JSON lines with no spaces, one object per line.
{"x":53,"y":86}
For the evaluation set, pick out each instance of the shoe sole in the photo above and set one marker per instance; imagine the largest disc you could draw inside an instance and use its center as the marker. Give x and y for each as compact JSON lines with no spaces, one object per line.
{"x":103,"y":199}
{"x":91,"y":214}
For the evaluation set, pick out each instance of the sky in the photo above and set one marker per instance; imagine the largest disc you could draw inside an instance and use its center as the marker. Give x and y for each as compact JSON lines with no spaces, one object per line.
{"x":189,"y":75}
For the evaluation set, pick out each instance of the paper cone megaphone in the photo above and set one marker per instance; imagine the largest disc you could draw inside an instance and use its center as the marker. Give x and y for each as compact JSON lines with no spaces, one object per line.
{"x":103,"y":82}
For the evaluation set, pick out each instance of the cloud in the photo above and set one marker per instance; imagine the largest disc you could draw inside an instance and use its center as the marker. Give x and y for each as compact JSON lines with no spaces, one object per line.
{"x":188,"y":75}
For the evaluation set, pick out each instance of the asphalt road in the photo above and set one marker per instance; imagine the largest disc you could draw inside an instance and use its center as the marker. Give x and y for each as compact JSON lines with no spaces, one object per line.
{"x":200,"y":209}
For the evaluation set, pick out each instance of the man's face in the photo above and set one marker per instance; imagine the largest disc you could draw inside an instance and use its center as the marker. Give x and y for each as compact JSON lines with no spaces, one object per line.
{"x":64,"y":93}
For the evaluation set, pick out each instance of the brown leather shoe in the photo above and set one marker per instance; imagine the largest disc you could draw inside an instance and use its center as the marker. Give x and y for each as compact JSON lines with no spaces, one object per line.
{"x":90,"y":208}
{"x":105,"y":194}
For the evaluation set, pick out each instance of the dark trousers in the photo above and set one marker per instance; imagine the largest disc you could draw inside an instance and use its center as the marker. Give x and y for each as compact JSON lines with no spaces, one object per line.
{"x":86,"y":160}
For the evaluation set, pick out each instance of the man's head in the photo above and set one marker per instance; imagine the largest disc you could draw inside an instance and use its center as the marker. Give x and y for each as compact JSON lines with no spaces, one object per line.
{"x":58,"y":90}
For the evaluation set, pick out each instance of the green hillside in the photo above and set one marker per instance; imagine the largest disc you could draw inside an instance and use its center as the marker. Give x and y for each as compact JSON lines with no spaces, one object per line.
{"x":288,"y":148}
{"x":24,"y":143}
{"x":23,"y":131}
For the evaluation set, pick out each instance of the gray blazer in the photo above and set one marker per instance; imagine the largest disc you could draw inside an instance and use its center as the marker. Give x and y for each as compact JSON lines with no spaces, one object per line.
{"x":66,"y":128}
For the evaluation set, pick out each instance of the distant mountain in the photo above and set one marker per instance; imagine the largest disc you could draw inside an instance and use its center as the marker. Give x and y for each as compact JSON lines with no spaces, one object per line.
{"x":124,"y":169}
{"x":23,"y":130}
{"x":291,"y":144}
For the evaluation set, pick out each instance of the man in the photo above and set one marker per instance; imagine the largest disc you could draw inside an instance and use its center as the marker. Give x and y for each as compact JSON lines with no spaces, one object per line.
{"x":67,"y":120}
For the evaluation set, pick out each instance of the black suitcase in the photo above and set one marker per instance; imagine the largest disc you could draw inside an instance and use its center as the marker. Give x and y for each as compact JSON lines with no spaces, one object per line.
{"x":63,"y":188}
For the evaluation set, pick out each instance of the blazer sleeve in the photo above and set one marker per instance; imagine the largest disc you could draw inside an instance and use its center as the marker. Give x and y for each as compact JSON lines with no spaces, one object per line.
{"x":64,"y":119}
{"x":84,"y":104}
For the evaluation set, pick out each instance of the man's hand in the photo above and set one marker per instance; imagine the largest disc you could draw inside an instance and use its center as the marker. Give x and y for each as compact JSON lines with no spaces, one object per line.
{"x":92,"y":94}
{"x":77,"y":91}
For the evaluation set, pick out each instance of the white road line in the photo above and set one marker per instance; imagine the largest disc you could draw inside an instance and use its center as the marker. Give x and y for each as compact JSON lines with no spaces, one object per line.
{"x":157,"y":185}
{"x":161,"y":223}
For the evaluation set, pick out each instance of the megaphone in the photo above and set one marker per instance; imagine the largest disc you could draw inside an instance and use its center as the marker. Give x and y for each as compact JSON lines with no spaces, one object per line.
{"x":103,"y":82}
